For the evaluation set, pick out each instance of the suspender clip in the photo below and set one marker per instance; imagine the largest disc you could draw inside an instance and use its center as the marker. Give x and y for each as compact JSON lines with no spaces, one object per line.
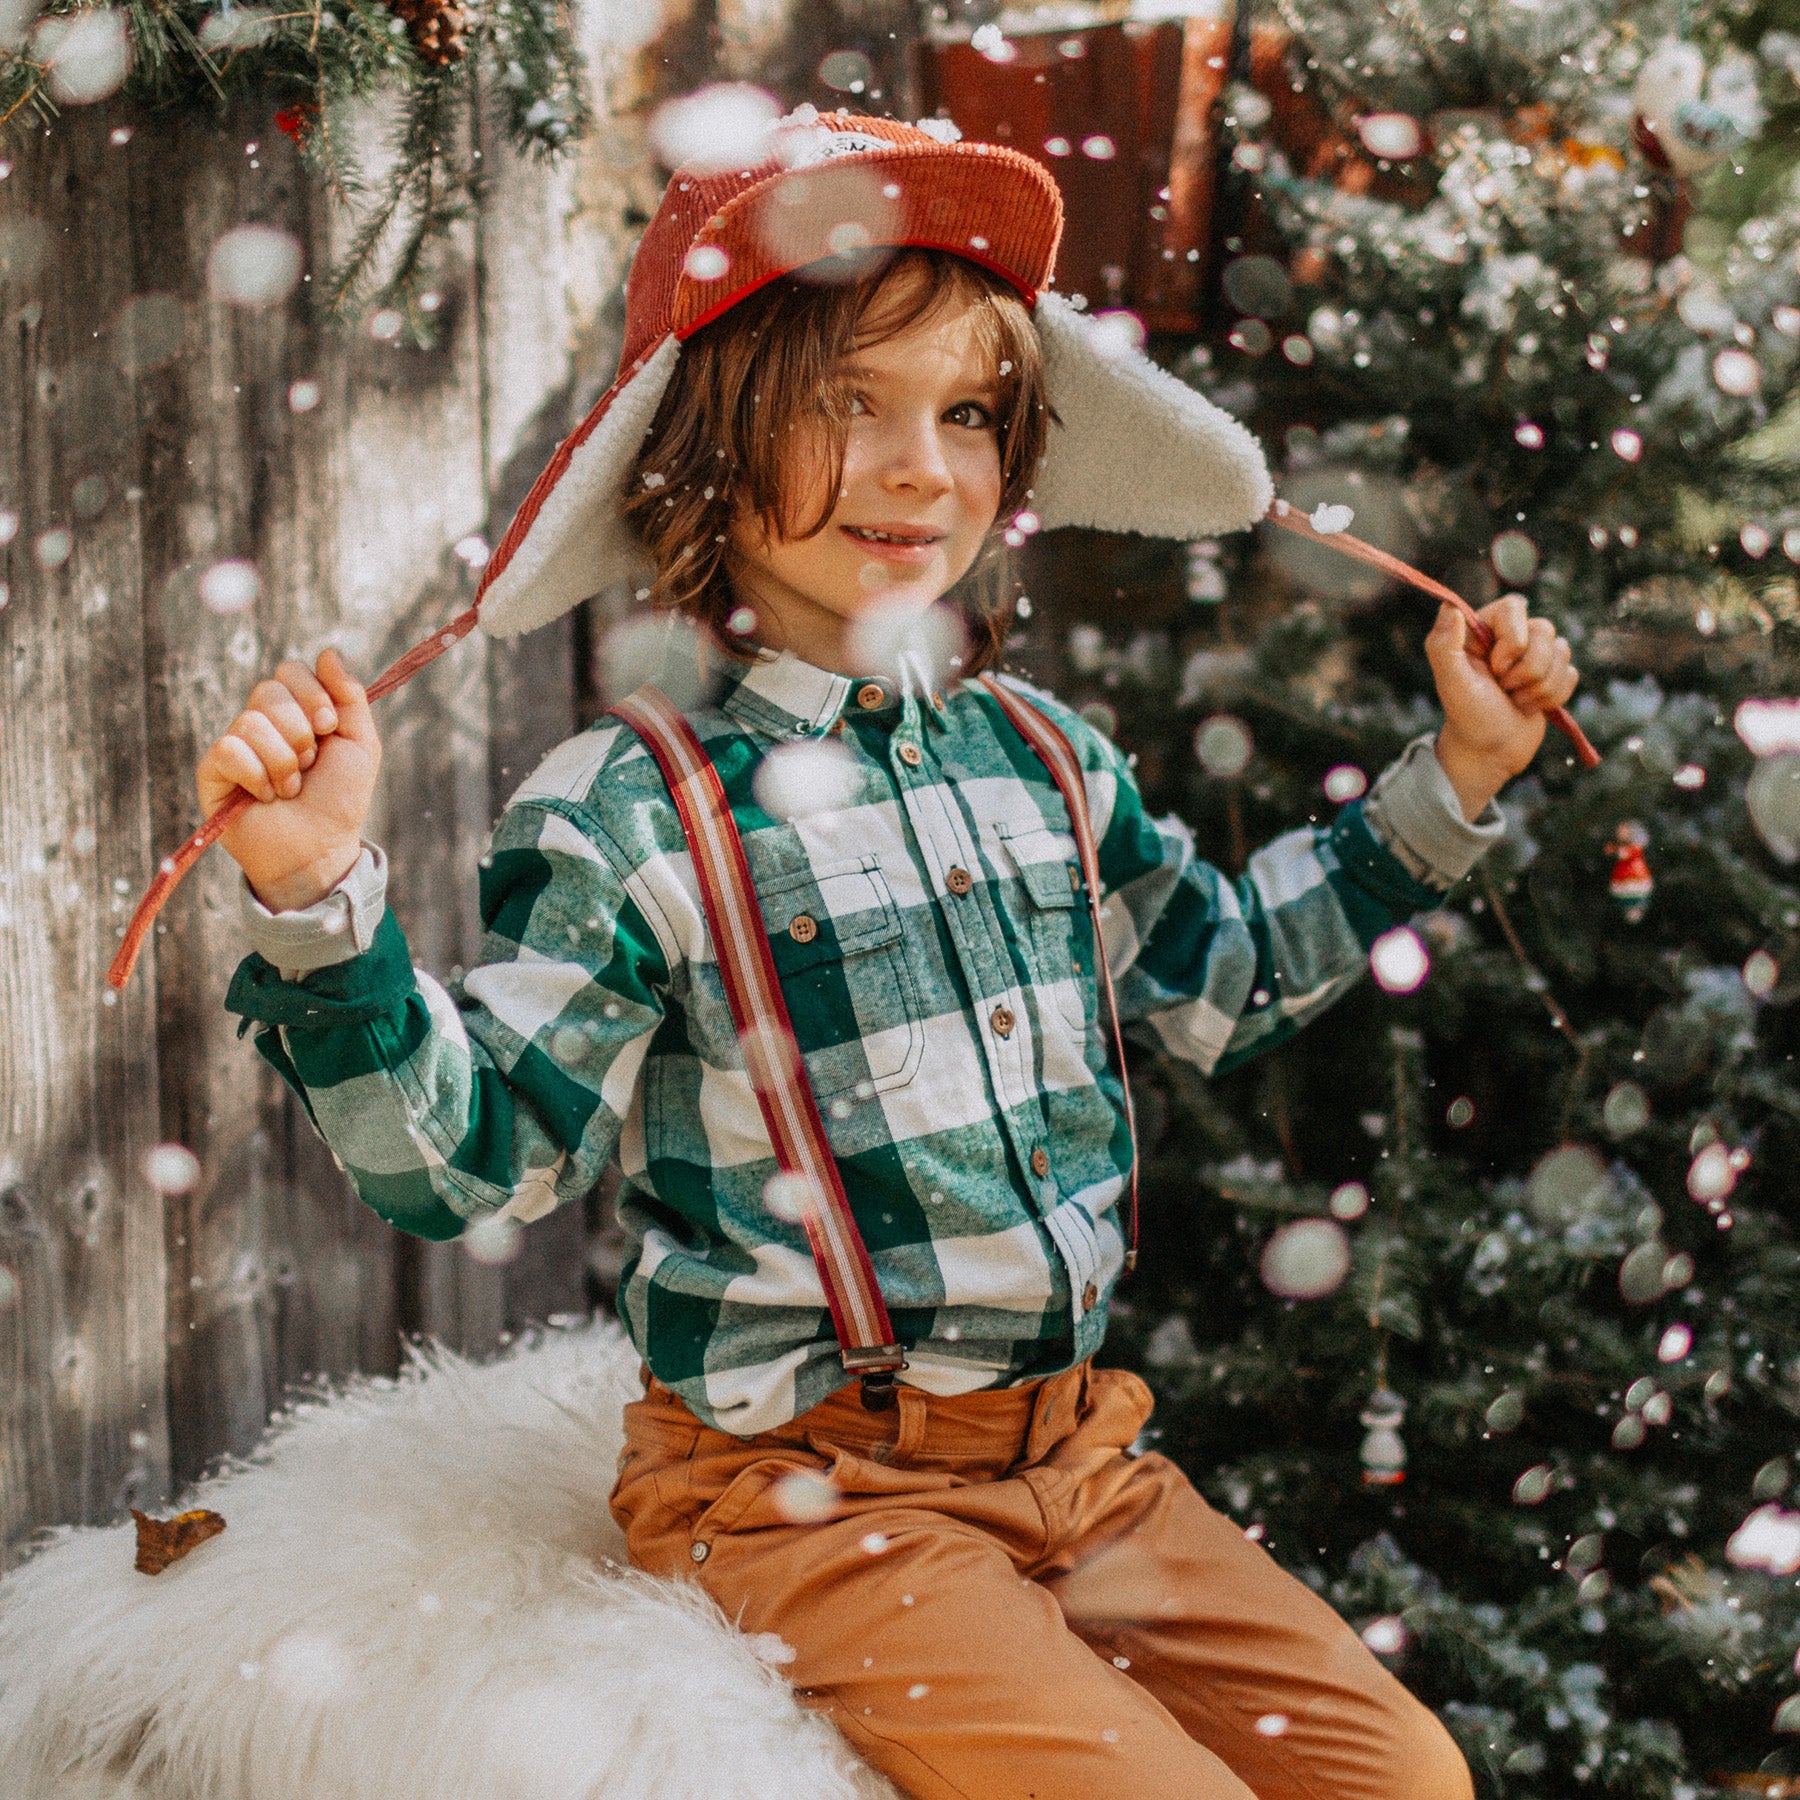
{"x":877,"y":1365}
{"x":878,"y":1393}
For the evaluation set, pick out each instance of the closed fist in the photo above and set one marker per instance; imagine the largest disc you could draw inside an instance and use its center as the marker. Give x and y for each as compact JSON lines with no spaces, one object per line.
{"x":1494,"y":705}
{"x":305,"y":747}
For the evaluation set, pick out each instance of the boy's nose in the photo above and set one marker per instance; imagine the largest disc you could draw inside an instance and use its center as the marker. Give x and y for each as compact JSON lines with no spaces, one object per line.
{"x":916,"y":458}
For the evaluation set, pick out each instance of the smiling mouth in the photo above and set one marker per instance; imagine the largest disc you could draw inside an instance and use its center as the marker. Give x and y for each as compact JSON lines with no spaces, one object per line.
{"x":887,"y":537}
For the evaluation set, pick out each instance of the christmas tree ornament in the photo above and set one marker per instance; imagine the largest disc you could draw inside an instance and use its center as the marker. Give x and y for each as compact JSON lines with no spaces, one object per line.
{"x":1631,"y":882}
{"x":1696,"y":119}
{"x":1383,"y":1454}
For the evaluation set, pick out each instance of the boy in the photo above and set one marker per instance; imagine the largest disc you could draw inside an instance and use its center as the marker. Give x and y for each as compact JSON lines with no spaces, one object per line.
{"x":983,"y":1589}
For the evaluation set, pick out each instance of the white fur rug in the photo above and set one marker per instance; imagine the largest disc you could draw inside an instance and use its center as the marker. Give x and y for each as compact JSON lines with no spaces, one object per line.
{"x":419,"y":1595}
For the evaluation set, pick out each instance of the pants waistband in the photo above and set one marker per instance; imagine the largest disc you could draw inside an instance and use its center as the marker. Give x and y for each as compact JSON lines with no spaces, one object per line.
{"x":998,"y":1428}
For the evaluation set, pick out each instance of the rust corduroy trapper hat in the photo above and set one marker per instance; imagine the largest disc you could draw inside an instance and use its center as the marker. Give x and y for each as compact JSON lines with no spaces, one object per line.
{"x":1137,"y":449}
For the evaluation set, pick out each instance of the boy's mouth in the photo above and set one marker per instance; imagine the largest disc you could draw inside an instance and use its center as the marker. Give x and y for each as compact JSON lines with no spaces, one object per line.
{"x":899,"y":541}
{"x":893,"y":533}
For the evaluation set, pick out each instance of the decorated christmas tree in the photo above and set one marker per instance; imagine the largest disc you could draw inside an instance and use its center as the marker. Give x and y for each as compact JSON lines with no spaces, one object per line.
{"x":1486,"y":1313}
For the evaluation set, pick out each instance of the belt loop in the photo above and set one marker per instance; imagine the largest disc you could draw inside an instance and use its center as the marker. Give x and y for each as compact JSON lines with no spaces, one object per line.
{"x":1056,"y":1411}
{"x":914,"y":1412}
{"x":1048,"y":1419}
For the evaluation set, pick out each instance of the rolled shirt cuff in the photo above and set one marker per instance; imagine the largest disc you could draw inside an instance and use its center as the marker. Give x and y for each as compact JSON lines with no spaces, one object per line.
{"x":1414,"y":811}
{"x":336,"y":927}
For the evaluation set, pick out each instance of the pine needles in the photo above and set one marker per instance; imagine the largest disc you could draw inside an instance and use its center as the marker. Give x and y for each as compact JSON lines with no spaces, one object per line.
{"x":441,"y":66}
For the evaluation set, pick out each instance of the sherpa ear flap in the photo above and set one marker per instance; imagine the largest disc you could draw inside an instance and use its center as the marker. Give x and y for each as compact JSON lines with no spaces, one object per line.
{"x":1137,"y":450}
{"x":569,"y":540}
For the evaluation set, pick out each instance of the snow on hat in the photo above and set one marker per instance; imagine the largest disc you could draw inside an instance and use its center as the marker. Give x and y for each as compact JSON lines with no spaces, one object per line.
{"x":1138,"y":450}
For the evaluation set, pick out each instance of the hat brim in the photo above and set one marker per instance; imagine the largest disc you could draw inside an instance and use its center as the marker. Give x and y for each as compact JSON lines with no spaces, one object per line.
{"x":1137,"y":451}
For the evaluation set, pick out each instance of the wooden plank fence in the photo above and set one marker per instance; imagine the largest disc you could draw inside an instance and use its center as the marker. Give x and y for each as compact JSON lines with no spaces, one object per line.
{"x":143,"y":1335}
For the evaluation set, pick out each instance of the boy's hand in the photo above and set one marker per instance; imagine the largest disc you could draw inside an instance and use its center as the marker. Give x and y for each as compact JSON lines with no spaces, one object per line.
{"x":1494,"y":706}
{"x":305,"y":747}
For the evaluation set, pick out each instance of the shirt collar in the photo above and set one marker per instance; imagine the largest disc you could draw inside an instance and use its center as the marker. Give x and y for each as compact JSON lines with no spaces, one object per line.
{"x":781,"y":695}
{"x":786,"y":697}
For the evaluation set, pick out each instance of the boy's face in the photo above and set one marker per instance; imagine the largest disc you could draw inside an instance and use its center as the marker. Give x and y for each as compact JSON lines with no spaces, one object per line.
{"x":922,"y":461}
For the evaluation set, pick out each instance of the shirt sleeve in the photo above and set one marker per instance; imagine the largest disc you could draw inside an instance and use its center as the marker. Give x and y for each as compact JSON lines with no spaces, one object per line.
{"x":1221,"y":970}
{"x":503,"y":1092}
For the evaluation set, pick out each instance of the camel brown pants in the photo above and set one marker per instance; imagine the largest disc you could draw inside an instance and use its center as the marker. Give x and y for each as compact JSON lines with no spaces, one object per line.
{"x":1001,"y":1604}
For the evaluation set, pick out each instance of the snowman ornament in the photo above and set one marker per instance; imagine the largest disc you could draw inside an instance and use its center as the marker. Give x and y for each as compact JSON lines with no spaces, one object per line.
{"x":1696,"y":118}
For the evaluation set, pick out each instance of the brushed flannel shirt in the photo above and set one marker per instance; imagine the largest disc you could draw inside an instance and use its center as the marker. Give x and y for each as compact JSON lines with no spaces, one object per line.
{"x":941,"y":987}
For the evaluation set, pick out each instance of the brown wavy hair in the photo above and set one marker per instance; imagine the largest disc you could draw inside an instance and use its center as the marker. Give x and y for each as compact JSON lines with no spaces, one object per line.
{"x":764,"y":370}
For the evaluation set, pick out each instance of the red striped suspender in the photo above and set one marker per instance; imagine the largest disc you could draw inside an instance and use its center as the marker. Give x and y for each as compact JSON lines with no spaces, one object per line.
{"x":771,"y":1053}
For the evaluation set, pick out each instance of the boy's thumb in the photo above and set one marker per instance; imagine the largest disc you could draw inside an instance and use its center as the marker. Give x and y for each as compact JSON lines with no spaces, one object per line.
{"x":1445,"y":642}
{"x":355,"y":721}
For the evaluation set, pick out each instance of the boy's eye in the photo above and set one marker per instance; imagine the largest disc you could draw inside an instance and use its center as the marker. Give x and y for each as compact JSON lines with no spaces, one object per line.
{"x":963,"y":406}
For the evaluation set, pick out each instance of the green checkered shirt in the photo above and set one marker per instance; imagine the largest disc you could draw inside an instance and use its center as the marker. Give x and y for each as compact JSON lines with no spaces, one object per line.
{"x":595,"y":1021}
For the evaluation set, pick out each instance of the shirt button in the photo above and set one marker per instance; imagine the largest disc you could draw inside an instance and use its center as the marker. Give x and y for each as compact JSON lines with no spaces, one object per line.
{"x":1040,"y":1161}
{"x":959,"y":881}
{"x":1090,"y":1298}
{"x":699,"y":1552}
{"x":1002,"y":1021}
{"x":870,"y":696}
{"x":803,"y":928}
{"x":911,"y":754}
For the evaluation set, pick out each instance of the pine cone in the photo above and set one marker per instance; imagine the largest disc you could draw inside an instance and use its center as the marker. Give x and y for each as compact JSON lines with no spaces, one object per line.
{"x":436,"y":28}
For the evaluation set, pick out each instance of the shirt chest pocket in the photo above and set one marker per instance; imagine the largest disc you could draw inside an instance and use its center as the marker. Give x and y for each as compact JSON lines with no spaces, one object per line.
{"x":839,"y":944}
{"x":1049,"y":873}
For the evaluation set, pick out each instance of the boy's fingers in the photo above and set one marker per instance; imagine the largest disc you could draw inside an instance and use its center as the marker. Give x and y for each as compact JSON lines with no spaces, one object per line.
{"x":276,"y":702}
{"x":1559,"y":684}
{"x":1534,"y":664}
{"x":260,"y":733}
{"x":1553,"y":688}
{"x":236,"y":762}
{"x":1507,"y":618}
{"x":354,"y":720}
{"x":309,"y":692}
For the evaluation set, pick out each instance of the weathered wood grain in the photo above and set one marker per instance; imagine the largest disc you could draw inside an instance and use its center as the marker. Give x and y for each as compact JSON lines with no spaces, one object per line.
{"x":82,"y":1422}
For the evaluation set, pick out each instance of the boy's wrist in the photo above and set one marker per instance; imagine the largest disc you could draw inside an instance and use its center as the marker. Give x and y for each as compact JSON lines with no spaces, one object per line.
{"x":302,"y":887}
{"x":1476,"y":775}
{"x":339,"y":925}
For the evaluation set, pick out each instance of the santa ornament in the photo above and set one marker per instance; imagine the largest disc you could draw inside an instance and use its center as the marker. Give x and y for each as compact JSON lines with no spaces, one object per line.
{"x":1631,"y":882}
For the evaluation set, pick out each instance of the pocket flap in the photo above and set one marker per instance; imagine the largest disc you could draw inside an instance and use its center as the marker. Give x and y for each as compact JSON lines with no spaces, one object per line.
{"x":1046,"y":861}
{"x":848,"y":905}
